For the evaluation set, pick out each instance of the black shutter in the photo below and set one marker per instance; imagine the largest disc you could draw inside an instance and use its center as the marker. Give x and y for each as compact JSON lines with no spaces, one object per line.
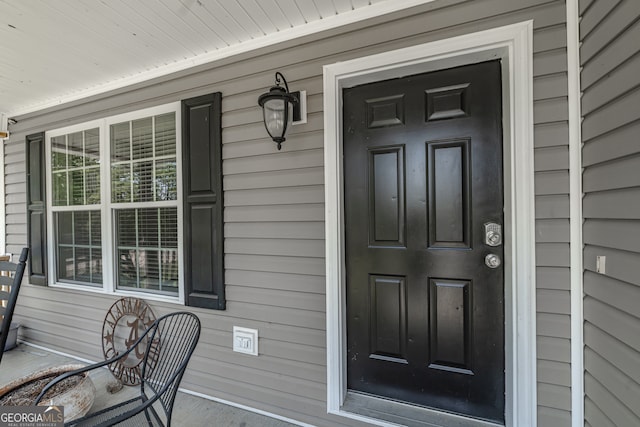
{"x":36,"y":209}
{"x":202,"y":182}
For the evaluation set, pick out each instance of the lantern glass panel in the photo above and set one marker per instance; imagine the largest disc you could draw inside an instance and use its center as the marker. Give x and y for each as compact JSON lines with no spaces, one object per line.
{"x":274,"y":116}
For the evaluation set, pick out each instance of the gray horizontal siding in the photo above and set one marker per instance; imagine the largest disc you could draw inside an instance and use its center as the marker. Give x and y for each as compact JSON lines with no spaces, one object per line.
{"x":550,"y":372}
{"x":609,"y":23}
{"x":595,"y":415}
{"x":308,"y":230}
{"x":598,"y":177}
{"x":274,"y":211}
{"x":552,"y":254}
{"x":551,"y":134}
{"x":618,"y":83}
{"x":552,"y":206}
{"x":617,"y":52}
{"x":612,"y":145}
{"x":292,"y":178}
{"x":553,"y":396}
{"x":608,"y":403}
{"x":620,"y":112}
{"x":551,"y":158}
{"x":554,"y":323}
{"x":553,"y":417}
{"x":610,"y":57}
{"x":606,"y":205}
{"x":613,"y":233}
{"x":621,"y":265}
{"x":554,"y":230}
{"x":553,"y":278}
{"x":555,"y":302}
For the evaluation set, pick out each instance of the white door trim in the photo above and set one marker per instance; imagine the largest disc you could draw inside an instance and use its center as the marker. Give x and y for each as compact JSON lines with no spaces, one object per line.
{"x":513,"y":45}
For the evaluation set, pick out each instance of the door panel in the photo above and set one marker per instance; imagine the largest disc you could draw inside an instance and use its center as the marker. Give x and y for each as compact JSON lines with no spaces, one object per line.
{"x":388,"y":318}
{"x":422,"y":175}
{"x":449,"y":210}
{"x":386,"y":197}
{"x":449,"y":325}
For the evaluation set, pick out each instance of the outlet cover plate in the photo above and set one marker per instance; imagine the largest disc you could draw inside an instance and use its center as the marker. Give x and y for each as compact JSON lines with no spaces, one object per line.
{"x":245,"y":340}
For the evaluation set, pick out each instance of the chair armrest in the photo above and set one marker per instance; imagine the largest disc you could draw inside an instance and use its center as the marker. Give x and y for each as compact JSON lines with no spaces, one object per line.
{"x":66,"y":375}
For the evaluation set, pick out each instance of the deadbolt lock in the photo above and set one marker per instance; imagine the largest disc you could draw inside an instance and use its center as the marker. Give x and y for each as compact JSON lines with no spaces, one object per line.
{"x":492,"y":234}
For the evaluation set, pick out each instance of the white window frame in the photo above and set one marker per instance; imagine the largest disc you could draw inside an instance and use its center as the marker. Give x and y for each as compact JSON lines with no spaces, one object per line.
{"x":107,"y":207}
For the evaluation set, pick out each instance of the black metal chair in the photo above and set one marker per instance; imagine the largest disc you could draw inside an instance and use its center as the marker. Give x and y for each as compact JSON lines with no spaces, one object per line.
{"x":170,"y":342}
{"x":9,"y":298}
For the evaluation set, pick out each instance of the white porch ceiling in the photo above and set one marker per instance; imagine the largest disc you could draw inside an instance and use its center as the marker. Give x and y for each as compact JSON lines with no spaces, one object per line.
{"x":56,"y":51}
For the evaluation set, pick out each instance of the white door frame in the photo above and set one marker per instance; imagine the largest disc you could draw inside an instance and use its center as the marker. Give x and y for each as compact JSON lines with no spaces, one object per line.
{"x":513,"y":45}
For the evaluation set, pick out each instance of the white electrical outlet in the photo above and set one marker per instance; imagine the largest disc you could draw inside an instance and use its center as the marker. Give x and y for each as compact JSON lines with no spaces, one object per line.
{"x":245,"y":340}
{"x":601,"y":264}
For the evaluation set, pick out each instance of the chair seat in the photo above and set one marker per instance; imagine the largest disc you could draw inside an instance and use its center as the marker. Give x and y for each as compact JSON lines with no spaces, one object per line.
{"x":104,"y":417}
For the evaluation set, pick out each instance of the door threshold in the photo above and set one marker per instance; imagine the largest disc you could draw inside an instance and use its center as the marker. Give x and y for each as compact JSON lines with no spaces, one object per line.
{"x":404,"y":414}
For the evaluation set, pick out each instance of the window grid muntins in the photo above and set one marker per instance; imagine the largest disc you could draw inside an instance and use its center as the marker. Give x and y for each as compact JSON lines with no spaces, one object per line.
{"x":79,"y":247}
{"x":75,"y":168}
{"x":137,"y":213}
{"x":143,"y":160}
{"x":147,"y":249}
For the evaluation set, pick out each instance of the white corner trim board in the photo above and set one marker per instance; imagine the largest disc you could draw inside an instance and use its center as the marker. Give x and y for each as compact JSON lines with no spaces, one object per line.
{"x":3,"y":224}
{"x":513,"y":45}
{"x":575,"y":214}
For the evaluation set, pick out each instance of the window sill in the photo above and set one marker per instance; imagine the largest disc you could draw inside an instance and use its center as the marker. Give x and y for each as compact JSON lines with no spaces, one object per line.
{"x":120,"y":293}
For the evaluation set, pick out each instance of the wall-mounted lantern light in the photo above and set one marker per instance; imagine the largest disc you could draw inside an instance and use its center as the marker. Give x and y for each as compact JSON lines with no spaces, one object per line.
{"x":280,"y":107}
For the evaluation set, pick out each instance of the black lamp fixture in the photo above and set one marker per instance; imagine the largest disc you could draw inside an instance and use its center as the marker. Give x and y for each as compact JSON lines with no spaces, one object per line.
{"x":279,"y":108}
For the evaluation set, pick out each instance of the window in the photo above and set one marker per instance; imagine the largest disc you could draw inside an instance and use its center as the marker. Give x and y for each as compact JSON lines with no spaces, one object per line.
{"x":144,"y":198}
{"x":131,"y":204}
{"x":75,"y":178}
{"x":115,"y":192}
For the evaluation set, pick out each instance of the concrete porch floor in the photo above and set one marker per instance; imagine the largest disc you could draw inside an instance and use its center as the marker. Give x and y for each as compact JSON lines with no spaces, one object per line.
{"x":188,"y":410}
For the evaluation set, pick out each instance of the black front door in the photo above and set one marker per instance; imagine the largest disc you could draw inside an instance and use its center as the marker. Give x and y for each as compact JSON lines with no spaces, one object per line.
{"x":423,"y":188}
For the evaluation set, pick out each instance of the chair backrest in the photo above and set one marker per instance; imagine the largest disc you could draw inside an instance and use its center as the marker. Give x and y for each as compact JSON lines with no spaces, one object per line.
{"x":169,"y":348}
{"x":9,"y":288}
